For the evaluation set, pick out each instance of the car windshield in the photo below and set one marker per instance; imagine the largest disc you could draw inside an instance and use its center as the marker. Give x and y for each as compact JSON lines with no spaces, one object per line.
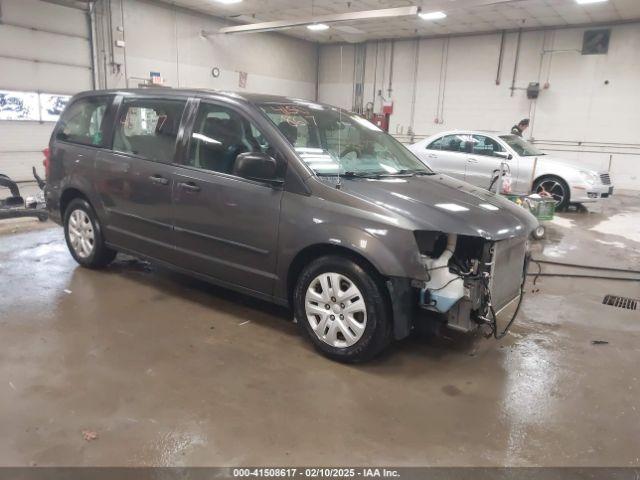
{"x":522,"y":147}
{"x":334,"y":142}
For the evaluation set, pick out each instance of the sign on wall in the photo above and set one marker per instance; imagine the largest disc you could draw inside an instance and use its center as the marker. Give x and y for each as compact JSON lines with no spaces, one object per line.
{"x":33,"y":106}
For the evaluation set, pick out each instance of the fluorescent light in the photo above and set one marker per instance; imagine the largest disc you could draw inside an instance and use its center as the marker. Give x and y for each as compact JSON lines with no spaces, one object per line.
{"x":316,"y":27}
{"x":432,"y":15}
{"x":587,"y":2}
{"x":228,"y":2}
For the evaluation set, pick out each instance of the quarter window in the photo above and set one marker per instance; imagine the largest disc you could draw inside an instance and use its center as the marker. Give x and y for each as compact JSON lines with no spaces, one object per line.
{"x":82,"y":121}
{"x":219,"y":136}
{"x":149,"y":128}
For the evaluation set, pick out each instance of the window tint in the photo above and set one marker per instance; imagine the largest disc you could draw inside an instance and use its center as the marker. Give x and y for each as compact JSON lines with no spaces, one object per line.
{"x":484,"y":145}
{"x":219,"y":136}
{"x":457,"y":143}
{"x":436,"y":144}
{"x":148,"y":128}
{"x":294,"y":126}
{"x":82,"y":121}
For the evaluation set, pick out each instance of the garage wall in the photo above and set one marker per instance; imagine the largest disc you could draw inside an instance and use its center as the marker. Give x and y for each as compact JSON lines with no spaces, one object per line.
{"x":43,"y":48}
{"x":453,"y":81}
{"x":167,"y":39}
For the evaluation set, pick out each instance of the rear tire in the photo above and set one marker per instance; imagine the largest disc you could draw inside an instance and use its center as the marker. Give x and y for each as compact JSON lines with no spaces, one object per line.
{"x":84,"y":238}
{"x":343,"y":309}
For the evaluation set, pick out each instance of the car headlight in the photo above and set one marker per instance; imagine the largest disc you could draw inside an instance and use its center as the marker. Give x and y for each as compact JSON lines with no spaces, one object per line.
{"x":589,"y":177}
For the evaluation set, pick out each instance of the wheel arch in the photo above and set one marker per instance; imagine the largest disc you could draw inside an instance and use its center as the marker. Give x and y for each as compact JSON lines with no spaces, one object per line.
{"x":311,"y":252}
{"x":69,"y":194}
{"x":553,"y":175}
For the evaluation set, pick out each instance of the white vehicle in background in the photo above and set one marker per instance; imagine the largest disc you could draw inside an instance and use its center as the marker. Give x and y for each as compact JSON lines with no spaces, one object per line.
{"x":475,"y":157}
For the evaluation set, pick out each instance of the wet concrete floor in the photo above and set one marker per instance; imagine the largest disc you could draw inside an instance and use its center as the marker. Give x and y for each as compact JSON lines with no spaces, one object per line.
{"x":167,"y":370}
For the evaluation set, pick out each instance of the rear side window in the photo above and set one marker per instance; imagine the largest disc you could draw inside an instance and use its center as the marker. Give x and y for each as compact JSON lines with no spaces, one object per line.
{"x":82,"y":121}
{"x":460,"y":143}
{"x":148,"y":128}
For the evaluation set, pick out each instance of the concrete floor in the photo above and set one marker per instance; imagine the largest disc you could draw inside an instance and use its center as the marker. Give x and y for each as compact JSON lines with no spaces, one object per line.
{"x":167,"y":371}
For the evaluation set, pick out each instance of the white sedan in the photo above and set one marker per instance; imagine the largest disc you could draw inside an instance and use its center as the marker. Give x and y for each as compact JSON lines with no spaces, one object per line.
{"x":475,"y":157}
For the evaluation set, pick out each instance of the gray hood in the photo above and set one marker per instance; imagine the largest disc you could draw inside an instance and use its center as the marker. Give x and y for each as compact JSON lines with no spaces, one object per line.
{"x":441,"y":203}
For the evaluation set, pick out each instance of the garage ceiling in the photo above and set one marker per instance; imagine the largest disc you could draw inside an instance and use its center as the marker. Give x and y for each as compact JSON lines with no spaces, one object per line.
{"x":460,"y":19}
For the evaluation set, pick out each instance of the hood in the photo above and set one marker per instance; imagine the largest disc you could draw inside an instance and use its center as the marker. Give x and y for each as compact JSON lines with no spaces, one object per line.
{"x":441,"y":203}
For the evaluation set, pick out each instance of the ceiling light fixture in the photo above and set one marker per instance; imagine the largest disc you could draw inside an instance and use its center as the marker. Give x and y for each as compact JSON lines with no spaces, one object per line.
{"x":228,"y":2}
{"x":317,"y":27}
{"x":587,"y":2}
{"x":325,"y":19}
{"x":432,"y":15}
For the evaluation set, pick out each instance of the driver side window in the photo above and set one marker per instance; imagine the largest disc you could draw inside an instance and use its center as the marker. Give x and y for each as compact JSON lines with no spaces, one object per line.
{"x":219,"y":136}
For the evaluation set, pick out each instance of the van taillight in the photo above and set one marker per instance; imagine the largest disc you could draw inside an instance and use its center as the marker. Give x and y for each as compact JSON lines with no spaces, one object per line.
{"x":47,"y":161}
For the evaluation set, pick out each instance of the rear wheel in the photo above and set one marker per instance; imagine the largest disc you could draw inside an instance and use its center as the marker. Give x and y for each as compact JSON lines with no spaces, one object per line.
{"x":342,"y":308}
{"x":556,"y":187}
{"x":84,"y":236}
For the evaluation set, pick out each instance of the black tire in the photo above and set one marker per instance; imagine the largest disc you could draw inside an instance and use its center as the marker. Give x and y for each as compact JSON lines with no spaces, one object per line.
{"x":543,"y":182}
{"x":538,"y":232}
{"x":377,"y":332}
{"x":100,"y":255}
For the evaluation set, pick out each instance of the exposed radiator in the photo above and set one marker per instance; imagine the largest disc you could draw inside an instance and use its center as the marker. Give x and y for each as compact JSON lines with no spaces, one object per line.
{"x":507,"y":271}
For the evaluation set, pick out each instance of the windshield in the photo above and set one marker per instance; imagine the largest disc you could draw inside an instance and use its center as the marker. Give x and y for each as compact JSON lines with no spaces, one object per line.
{"x":334,"y":142}
{"x":522,"y":147}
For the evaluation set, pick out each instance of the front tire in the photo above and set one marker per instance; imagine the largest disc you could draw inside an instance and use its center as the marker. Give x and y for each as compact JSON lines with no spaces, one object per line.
{"x":556,"y":187}
{"x":343,"y":309}
{"x":84,"y":236}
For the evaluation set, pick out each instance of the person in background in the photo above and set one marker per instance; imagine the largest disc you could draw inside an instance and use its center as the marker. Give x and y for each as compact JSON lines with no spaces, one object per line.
{"x":520,"y":127}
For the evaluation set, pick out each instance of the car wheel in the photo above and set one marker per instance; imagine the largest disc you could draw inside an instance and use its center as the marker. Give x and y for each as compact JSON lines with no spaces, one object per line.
{"x":538,"y":233}
{"x":343,"y":309}
{"x":556,"y":187}
{"x":84,"y":236}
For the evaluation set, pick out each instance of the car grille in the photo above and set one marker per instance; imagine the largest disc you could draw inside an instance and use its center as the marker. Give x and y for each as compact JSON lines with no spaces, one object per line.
{"x":507,"y":271}
{"x":605,"y":179}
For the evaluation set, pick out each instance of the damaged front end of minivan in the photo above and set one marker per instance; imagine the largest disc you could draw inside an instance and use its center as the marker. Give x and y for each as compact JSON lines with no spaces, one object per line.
{"x":469,"y":279}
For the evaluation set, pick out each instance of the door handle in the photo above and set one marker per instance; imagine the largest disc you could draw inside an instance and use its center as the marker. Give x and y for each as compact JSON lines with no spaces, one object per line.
{"x":189,"y":187}
{"x":158,"y":180}
{"x":432,"y":155}
{"x":472,"y":160}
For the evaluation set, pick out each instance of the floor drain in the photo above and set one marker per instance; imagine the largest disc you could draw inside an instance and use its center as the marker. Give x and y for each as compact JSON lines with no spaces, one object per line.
{"x":620,"y":302}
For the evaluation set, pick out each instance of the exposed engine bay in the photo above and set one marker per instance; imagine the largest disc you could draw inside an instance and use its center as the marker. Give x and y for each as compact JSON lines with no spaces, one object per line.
{"x":470,"y":280}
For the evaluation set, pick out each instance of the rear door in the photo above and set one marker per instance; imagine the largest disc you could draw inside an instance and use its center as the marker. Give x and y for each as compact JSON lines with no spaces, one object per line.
{"x":136,"y":177}
{"x":484,"y":161}
{"x":226,"y":226}
{"x":453,"y":155}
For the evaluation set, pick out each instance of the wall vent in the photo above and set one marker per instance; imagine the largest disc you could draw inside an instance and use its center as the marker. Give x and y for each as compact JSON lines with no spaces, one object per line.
{"x":596,"y":42}
{"x":620,"y":302}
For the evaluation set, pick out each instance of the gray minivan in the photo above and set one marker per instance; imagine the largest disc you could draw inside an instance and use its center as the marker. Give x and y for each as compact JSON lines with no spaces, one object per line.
{"x":292,"y":201}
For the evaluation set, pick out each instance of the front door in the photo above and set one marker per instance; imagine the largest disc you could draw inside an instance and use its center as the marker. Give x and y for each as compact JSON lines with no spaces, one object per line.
{"x":225,"y":226}
{"x":136,"y":178}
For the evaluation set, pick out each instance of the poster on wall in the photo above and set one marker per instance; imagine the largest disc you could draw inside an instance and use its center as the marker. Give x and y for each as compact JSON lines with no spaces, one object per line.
{"x":19,"y":105}
{"x":51,"y":106}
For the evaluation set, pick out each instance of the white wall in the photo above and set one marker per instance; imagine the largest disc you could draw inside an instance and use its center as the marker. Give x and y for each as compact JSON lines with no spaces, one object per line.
{"x":456,"y":88}
{"x":52,"y":42}
{"x":168,"y":39}
{"x":43,"y":48}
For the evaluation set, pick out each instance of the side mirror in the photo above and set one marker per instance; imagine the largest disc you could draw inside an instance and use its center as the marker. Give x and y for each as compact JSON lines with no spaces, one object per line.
{"x":505,"y":155}
{"x":256,"y":166}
